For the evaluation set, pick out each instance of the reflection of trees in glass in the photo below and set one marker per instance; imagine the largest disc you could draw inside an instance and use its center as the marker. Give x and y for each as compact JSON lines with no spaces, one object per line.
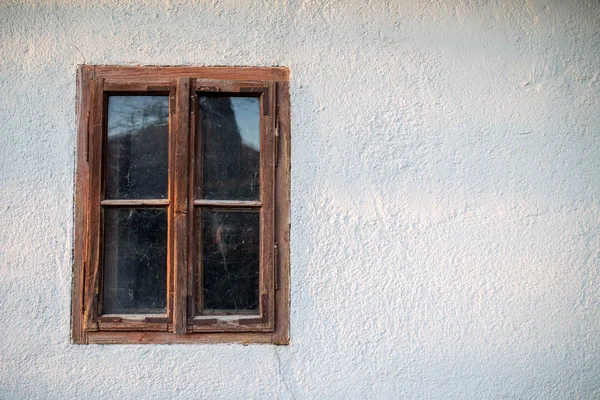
{"x":135,"y":239}
{"x":137,"y":147}
{"x":137,"y":168}
{"x":133,"y":113}
{"x":230,"y":171}
{"x":230,"y":167}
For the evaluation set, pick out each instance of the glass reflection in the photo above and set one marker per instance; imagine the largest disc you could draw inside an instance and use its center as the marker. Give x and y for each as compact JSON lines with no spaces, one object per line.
{"x":228,"y":148}
{"x":135,"y":261}
{"x":137,"y":153}
{"x":229,"y":252}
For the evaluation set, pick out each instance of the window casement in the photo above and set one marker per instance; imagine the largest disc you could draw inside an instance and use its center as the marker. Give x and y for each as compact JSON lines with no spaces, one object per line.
{"x":182,"y":205}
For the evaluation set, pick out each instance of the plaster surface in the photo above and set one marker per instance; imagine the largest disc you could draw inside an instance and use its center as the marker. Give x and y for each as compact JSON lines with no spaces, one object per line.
{"x":445,"y":197}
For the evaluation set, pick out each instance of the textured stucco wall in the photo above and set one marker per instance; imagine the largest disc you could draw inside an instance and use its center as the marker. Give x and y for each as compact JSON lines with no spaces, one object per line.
{"x":445,"y":200}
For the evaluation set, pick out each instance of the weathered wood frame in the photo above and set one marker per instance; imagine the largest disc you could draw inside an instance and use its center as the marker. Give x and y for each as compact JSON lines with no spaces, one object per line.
{"x":181,"y":324}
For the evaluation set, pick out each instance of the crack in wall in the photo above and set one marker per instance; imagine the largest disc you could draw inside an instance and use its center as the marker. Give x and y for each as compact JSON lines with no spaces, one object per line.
{"x":65,"y":32}
{"x":281,"y":376}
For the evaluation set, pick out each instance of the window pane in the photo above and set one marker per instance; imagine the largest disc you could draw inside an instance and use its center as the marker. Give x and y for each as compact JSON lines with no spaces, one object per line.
{"x":135,"y":261}
{"x":137,"y":147}
{"x":229,"y":251}
{"x":228,"y":148}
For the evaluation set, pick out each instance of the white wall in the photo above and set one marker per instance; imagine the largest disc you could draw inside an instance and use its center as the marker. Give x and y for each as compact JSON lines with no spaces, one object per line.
{"x":445,"y":199}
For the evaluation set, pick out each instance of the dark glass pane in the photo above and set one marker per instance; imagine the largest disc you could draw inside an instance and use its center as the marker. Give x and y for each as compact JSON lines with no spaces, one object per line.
{"x":135,"y":261}
{"x":229,"y":250}
{"x":228,"y":143}
{"x":137,"y":153}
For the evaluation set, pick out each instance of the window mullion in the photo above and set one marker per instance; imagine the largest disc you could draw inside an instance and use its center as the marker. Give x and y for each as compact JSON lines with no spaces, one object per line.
{"x":94,"y":212}
{"x":267,"y":187}
{"x":179,"y":175}
{"x":193,"y":275}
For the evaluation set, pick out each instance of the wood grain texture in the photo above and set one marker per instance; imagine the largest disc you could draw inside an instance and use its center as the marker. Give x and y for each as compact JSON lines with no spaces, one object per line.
{"x":282,"y":217}
{"x":194,"y":296}
{"x":133,"y":73}
{"x":171,"y":212}
{"x":135,"y":203}
{"x":82,"y":115}
{"x":172,"y":338}
{"x":267,"y":187}
{"x":254,"y":88}
{"x":92,"y":274}
{"x":227,"y":203}
{"x":164,"y":86}
{"x":127,"y":326}
{"x":180,"y":200}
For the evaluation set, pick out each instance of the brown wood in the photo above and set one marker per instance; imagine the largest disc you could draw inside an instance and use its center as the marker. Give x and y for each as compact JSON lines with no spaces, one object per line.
{"x":134,"y":318}
{"x":133,"y":73}
{"x":222,"y":313}
{"x":282,"y":221}
{"x":131,"y":325}
{"x":170,"y":227}
{"x":203,"y":321}
{"x":181,"y":206}
{"x":134,"y":203}
{"x":82,"y":115}
{"x":91,"y":288}
{"x":267,"y":188}
{"x":191,"y":261}
{"x":227,"y":203}
{"x":252,"y":88}
{"x":156,"y":319}
{"x":180,"y":325}
{"x":158,"y":87}
{"x":223,"y":325}
{"x":108,"y":337}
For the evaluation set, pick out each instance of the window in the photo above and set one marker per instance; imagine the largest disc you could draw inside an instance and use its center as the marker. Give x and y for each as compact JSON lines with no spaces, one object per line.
{"x":182,"y":205}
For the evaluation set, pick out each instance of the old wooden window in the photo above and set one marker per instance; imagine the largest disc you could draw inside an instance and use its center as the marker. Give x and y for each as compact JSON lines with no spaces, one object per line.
{"x":182,"y":205}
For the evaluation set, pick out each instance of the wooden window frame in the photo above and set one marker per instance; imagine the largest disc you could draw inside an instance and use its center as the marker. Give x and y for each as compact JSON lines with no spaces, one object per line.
{"x":180,"y":324}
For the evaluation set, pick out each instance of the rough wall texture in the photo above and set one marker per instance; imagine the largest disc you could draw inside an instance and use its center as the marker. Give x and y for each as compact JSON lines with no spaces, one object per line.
{"x":445,"y":200}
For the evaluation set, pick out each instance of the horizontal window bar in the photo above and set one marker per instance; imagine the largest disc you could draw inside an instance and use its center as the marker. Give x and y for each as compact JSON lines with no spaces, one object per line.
{"x":134,"y":203}
{"x":228,"y":203}
{"x":134,"y":317}
{"x":216,"y":319}
{"x":226,"y":313}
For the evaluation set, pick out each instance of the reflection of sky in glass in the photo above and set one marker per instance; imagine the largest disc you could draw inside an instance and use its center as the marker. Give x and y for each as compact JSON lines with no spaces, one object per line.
{"x":246,"y":111}
{"x":127,"y":114}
